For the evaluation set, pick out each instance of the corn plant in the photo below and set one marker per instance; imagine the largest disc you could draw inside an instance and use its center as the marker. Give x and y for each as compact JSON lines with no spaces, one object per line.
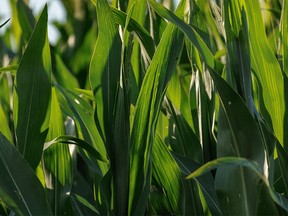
{"x":145,"y":108}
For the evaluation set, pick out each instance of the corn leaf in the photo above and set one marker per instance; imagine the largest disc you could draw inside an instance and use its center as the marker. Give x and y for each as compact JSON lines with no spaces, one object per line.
{"x":76,"y":141}
{"x":167,"y":174}
{"x":238,"y":56}
{"x":238,"y":161}
{"x":62,"y":74}
{"x":58,"y":162}
{"x":105,"y":70}
{"x":134,"y":26}
{"x":10,"y":68}
{"x":26,"y":19}
{"x":78,"y":200}
{"x":154,"y":85}
{"x":267,"y":70}
{"x":284,"y":35}
{"x":142,"y":35}
{"x":189,"y":31}
{"x":32,"y":94}
{"x":16,"y":188}
{"x":235,"y":161}
{"x":205,"y":181}
{"x":188,"y":143}
{"x":82,"y":113}
{"x":236,"y":139}
{"x":283,"y":162}
{"x":4,"y":126}
{"x":121,"y":134}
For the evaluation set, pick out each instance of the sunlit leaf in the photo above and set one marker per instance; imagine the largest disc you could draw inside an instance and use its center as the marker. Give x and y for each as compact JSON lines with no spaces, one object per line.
{"x":32,"y":94}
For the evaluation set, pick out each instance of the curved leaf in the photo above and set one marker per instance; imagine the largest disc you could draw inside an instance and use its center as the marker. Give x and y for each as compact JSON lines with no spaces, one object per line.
{"x":237,"y":161}
{"x":76,"y":141}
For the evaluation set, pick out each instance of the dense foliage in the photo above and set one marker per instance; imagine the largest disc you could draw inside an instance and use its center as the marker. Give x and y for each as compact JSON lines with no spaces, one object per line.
{"x":144,"y":108}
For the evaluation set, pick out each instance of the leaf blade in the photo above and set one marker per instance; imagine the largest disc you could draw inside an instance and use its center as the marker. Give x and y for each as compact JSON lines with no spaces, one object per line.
{"x":33,"y":87}
{"x":15,"y":188}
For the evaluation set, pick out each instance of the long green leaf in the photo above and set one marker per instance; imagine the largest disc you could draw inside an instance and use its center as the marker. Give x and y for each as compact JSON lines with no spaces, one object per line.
{"x":134,"y":26}
{"x":238,"y":56}
{"x":58,"y":162}
{"x":236,"y":139}
{"x":82,"y":113}
{"x":76,"y":141}
{"x":20,"y":188}
{"x":32,"y":94}
{"x":188,"y":143}
{"x":105,"y":69}
{"x":26,"y":19}
{"x":4,"y":126}
{"x":283,"y":163}
{"x":227,"y":161}
{"x":121,"y":134}
{"x":142,"y":35}
{"x":267,"y":70}
{"x":167,"y":174}
{"x":284,"y":31}
{"x":147,"y":110}
{"x":206,"y":182}
{"x":189,"y":31}
{"x":238,"y":161}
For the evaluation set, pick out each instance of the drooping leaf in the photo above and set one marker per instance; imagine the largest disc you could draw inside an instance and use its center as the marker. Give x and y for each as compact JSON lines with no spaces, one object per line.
{"x":252,"y":165}
{"x":32,"y":94}
{"x":16,"y":188}
{"x":76,"y":141}
{"x":227,"y":161}
{"x":82,"y":113}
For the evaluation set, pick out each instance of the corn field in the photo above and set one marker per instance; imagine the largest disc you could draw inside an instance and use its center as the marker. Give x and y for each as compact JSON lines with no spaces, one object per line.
{"x":145,"y":107}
